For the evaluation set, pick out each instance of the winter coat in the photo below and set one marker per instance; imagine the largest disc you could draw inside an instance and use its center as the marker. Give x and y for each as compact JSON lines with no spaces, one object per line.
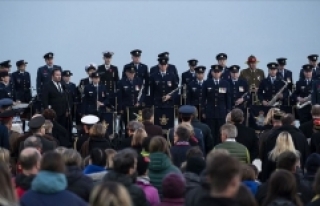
{"x":150,"y":191}
{"x":96,"y":173}
{"x":192,"y":181}
{"x":23,"y":183}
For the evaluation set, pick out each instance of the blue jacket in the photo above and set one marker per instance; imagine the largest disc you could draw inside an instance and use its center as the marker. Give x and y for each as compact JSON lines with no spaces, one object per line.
{"x":142,"y":72}
{"x":49,"y":189}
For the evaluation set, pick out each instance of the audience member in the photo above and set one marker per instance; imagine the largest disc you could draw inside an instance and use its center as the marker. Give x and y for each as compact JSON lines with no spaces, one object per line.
{"x":314,"y":140}
{"x":307,"y":127}
{"x":248,"y":178}
{"x":148,"y":122}
{"x":316,"y":188}
{"x":138,"y":136}
{"x":96,"y":140}
{"x":131,"y":128}
{"x":48,"y":127}
{"x":7,"y":193}
{"x":195,"y":165}
{"x":33,"y":142}
{"x":96,"y":169}
{"x":311,"y":168}
{"x":87,"y":122}
{"x":245,"y":197}
{"x":173,"y":188}
{"x":5,"y":157}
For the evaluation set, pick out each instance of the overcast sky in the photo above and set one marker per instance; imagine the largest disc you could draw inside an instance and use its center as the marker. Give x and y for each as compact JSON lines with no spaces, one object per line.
{"x":78,"y":31}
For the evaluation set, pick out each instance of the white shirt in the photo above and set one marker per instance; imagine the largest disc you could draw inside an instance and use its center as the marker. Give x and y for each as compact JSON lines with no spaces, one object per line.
{"x":107,"y":66}
{"x":58,"y":85}
{"x":231,"y":140}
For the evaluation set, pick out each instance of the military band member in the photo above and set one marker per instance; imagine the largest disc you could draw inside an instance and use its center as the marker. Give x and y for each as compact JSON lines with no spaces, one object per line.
{"x":89,"y":70}
{"x":170,"y":67}
{"x":252,"y":75}
{"x":194,"y":92}
{"x":141,"y":70}
{"x":44,"y":72}
{"x":238,"y":88}
{"x":222,"y":60}
{"x":5,"y":88}
{"x":302,"y":92}
{"x":313,"y":58}
{"x":22,"y":82}
{"x":270,"y":86}
{"x":128,"y":91}
{"x":189,"y":75}
{"x":109,"y":75}
{"x":95,"y":97}
{"x":216,"y":100}
{"x":70,"y":87}
{"x":283,"y":73}
{"x":162,"y":83}
{"x":5,"y":66}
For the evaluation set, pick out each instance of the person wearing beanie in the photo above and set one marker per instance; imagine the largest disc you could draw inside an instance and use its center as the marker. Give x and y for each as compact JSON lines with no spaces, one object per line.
{"x":311,"y":167}
{"x":143,"y":181}
{"x":194,"y":167}
{"x":173,"y":189}
{"x":49,"y":186}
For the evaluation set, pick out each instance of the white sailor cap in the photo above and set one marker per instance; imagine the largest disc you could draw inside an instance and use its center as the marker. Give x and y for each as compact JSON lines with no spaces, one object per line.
{"x":89,"y":119}
{"x":91,"y":66}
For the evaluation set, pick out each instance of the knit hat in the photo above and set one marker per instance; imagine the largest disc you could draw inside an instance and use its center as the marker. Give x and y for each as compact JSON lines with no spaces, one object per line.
{"x":142,"y":165}
{"x":313,"y":163}
{"x":173,"y":186}
{"x":195,"y":165}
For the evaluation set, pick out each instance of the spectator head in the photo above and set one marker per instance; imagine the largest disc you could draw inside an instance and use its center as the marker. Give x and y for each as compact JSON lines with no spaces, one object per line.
{"x":159,"y":144}
{"x":288,"y":119}
{"x":237,"y":116}
{"x":88,"y":121}
{"x":195,"y":165}
{"x":244,"y":197}
{"x":283,"y":143}
{"x":194,"y":152}
{"x":97,"y":131}
{"x":125,"y":162}
{"x":5,"y":157}
{"x":224,"y":173}
{"x":142,"y":165}
{"x":173,"y":186}
{"x":214,"y":153}
{"x":138,"y":136}
{"x":148,"y":115}
{"x":282,"y":184}
{"x":268,"y":119}
{"x":60,"y":149}
{"x":315,"y":111}
{"x":182,"y":134}
{"x":49,"y":114}
{"x":48,"y":126}
{"x":34,"y":142}
{"x":228,"y":118}
{"x":72,"y":158}
{"x":146,"y":144}
{"x":7,"y":192}
{"x":289,"y":161}
{"x":228,"y":131}
{"x":312,"y":164}
{"x":110,"y":153}
{"x":52,"y":162}
{"x":248,"y":173}
{"x":133,"y":126}
{"x":256,"y":171}
{"x":36,"y":125}
{"x":29,"y":160}
{"x":98,"y":157}
{"x":186,"y":112}
{"x":110,"y":194}
{"x":189,"y":127}
{"x":276,"y":119}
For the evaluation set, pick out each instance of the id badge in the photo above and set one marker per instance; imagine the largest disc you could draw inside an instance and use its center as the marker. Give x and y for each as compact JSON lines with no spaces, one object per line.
{"x":222,"y":90}
{"x":241,"y":89}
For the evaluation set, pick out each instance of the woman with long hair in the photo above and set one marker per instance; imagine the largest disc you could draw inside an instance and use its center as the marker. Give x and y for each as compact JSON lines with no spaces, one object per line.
{"x":282,"y":190}
{"x":7,"y":192}
{"x":284,"y":143}
{"x":137,"y":139}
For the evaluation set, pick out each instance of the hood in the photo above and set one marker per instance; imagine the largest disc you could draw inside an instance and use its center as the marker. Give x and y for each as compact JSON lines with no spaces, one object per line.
{"x":159,"y":161}
{"x":252,"y":186}
{"x":49,"y":182}
{"x":117,"y":177}
{"x":192,"y":179}
{"x":23,"y":181}
{"x":93,"y":169}
{"x":73,"y":174}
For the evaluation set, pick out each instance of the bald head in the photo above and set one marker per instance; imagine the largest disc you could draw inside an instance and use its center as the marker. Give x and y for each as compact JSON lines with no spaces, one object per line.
{"x":29,"y":159}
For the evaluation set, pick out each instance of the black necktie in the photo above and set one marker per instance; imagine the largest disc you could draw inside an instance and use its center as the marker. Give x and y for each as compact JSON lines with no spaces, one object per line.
{"x":59,"y":87}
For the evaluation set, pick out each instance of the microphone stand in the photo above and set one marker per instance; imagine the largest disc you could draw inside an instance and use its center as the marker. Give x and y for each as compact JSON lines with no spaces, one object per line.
{"x":69,"y":119}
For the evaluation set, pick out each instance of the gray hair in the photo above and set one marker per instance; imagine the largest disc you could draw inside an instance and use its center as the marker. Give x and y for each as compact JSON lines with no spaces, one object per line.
{"x":72,"y":158}
{"x":33,"y":141}
{"x":134,"y":125}
{"x":230,"y":130}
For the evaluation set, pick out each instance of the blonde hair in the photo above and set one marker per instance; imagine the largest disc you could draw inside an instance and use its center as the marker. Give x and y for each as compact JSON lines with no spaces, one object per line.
{"x":110,"y":194}
{"x":269,"y":117}
{"x":138,"y":136}
{"x":284,"y":143}
{"x":228,"y":118}
{"x":97,"y":131}
{"x":5,"y":156}
{"x":110,"y":154}
{"x":187,"y":126}
{"x":7,"y":192}
{"x":48,"y":126}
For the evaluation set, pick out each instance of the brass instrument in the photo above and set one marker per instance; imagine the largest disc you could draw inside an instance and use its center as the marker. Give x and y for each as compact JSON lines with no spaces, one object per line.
{"x":305,"y":103}
{"x":254,"y":97}
{"x":170,"y":93}
{"x":242,"y":97}
{"x":273,"y":101}
{"x":184,"y":95}
{"x":140,"y":94}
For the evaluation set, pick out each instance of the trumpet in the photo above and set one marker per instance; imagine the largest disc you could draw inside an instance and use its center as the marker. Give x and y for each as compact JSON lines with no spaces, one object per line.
{"x":307,"y":101}
{"x":273,"y":101}
{"x":170,"y":93}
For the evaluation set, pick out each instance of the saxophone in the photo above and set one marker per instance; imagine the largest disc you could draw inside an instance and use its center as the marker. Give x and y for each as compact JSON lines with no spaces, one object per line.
{"x":305,"y":103}
{"x":170,"y":93}
{"x":273,"y":102}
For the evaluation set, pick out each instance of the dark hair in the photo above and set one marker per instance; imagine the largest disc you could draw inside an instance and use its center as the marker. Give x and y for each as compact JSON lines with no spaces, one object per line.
{"x":287,"y":160}
{"x":247,"y":173}
{"x":53,"y":162}
{"x":159,"y":144}
{"x":28,"y":161}
{"x":146,"y":143}
{"x":97,"y":131}
{"x":221,"y":169}
{"x":124,"y":160}
{"x":98,"y":157}
{"x":287,"y":119}
{"x":183,"y":133}
{"x":147,"y":113}
{"x":32,"y":141}
{"x":49,"y":114}
{"x":245,"y":197}
{"x":54,"y":70}
{"x":194,"y":152}
{"x":236,"y":115}
{"x":282,"y":184}
{"x":185,"y":118}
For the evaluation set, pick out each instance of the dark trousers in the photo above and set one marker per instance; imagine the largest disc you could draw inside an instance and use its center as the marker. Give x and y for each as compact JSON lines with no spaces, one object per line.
{"x":304,"y":114}
{"x":215,"y":125}
{"x":62,"y":120}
